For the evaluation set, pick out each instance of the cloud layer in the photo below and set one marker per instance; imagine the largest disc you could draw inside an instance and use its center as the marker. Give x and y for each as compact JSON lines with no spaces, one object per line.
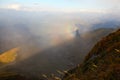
{"x":101,"y":6}
{"x":14,"y":6}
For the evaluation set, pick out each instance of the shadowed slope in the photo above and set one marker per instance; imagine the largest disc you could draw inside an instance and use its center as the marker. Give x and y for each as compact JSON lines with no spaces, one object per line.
{"x":60,"y":57}
{"x":102,"y":63}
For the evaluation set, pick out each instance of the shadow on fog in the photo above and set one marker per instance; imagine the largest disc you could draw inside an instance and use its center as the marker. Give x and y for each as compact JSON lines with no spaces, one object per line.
{"x":35,"y":59}
{"x":60,"y":57}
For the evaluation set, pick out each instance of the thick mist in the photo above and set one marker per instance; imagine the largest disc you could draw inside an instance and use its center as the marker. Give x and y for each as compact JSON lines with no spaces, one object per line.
{"x":35,"y":31}
{"x":48,"y":41}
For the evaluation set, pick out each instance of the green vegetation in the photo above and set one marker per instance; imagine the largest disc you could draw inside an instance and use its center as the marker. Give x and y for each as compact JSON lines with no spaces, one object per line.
{"x":102,"y":62}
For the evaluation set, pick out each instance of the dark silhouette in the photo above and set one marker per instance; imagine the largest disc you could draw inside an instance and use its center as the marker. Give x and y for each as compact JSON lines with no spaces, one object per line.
{"x":77,"y":33}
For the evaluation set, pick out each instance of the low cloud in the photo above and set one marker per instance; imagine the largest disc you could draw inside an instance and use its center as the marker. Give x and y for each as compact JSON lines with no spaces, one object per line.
{"x":13,"y":6}
{"x":38,"y":7}
{"x":109,"y":6}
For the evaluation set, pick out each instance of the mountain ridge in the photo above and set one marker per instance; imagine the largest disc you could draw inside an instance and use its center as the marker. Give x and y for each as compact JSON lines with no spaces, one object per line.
{"x":54,"y":51}
{"x":101,"y":63}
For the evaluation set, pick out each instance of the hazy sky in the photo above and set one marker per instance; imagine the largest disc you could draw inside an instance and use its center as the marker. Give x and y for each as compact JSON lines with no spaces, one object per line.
{"x":61,"y":5}
{"x":53,"y":28}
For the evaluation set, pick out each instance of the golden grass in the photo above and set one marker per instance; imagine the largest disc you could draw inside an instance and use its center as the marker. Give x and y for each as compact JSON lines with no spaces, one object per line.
{"x":9,"y":56}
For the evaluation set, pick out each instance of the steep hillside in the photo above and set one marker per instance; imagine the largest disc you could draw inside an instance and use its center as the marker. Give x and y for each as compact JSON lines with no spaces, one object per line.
{"x":9,"y":56}
{"x":12,"y":76}
{"x":61,"y":57}
{"x":58,"y":58}
{"x":102,"y":62}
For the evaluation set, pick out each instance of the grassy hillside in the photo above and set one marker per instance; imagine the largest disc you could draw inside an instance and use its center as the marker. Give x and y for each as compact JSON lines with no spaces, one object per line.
{"x":61,"y":57}
{"x":72,"y":51}
{"x":9,"y":56}
{"x":12,"y":76}
{"x":102,"y":62}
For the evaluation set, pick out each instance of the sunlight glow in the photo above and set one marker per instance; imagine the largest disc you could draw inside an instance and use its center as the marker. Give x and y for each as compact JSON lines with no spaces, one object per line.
{"x":66,"y":35}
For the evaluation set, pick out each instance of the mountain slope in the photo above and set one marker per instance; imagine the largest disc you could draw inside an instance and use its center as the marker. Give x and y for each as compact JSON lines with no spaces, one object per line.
{"x":61,"y":57}
{"x":102,"y":62}
{"x":9,"y":56}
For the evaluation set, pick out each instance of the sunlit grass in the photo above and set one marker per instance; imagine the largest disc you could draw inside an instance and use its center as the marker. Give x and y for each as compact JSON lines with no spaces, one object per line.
{"x":9,"y":56}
